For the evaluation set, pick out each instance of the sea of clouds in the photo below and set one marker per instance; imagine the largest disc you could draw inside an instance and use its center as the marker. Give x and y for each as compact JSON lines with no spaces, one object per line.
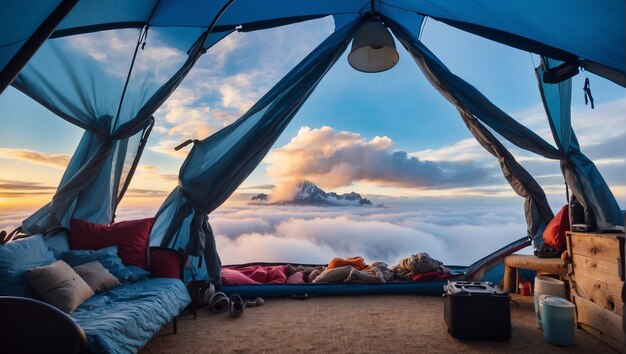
{"x":458,"y":235}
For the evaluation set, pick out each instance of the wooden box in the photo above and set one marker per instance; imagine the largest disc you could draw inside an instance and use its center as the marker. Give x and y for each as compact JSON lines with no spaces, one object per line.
{"x":597,"y":285}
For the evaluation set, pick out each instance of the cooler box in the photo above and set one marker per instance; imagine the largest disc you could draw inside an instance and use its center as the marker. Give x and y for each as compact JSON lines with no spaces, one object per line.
{"x":477,"y":310}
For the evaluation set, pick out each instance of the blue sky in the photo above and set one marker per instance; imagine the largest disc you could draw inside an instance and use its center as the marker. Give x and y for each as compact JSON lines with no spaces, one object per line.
{"x":376,"y":114}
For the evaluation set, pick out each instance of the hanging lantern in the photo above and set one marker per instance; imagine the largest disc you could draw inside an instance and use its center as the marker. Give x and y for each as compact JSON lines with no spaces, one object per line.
{"x":373,"y":49}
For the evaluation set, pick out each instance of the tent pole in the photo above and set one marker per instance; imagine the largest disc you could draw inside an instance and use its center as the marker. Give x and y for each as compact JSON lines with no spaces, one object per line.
{"x":45,"y":29}
{"x":217,"y":17}
{"x":142,"y":38}
{"x":133,"y":167}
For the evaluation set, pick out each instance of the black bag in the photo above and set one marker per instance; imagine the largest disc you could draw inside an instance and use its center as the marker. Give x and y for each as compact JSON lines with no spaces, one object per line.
{"x":477,"y":310}
{"x":200,"y":291}
{"x":546,"y":251}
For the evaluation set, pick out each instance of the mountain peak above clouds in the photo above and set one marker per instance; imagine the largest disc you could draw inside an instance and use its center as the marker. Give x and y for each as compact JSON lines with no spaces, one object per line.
{"x":307,"y":193}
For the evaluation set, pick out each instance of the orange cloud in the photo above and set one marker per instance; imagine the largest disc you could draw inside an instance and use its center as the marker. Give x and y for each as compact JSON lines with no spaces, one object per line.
{"x":41,"y":158}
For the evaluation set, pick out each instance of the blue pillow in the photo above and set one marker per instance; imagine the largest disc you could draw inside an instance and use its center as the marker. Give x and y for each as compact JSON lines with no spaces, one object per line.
{"x":18,"y":256}
{"x":109,"y":259}
{"x":58,"y":244}
{"x":138,"y":273}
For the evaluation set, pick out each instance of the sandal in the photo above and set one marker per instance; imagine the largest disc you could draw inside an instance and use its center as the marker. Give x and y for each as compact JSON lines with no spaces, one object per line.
{"x":219,"y":302}
{"x":236,"y":306}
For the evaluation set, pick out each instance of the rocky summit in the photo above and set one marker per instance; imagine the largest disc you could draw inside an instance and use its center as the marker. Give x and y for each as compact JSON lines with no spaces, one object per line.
{"x":307,"y":193}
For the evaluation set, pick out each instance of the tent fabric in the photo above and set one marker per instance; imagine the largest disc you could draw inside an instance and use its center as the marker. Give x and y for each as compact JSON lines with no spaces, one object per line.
{"x":589,"y":187}
{"x":536,"y":209}
{"x":114,"y":104}
{"x":581,"y":174}
{"x":24,"y":29}
{"x":471,"y":104}
{"x":470,"y":99}
{"x":95,"y":15}
{"x":86,"y":190}
{"x":586,"y":30}
{"x":19,"y":21}
{"x":557,"y":99}
{"x":479,"y":269}
{"x":216,"y":166}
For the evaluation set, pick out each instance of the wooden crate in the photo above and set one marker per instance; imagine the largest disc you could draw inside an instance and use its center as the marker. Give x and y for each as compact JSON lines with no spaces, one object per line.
{"x":597,"y":287}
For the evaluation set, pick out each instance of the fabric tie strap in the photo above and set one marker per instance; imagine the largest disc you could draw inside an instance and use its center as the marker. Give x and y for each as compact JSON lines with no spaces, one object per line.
{"x":587,"y":91}
{"x":185,"y":143}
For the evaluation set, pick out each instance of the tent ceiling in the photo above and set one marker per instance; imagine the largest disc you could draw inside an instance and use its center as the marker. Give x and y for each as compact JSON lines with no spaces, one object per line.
{"x":588,"y":30}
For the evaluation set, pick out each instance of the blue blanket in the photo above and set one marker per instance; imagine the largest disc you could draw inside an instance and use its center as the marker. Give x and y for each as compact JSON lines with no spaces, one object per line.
{"x":122,"y":320}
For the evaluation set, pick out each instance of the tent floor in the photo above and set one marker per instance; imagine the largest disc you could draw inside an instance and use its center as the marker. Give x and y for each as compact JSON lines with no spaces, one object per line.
{"x":350,"y":324}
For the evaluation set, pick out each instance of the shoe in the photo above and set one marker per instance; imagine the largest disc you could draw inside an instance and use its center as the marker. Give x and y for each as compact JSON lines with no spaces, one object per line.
{"x":218,"y":302}
{"x":236,"y":306}
{"x":254,"y":302}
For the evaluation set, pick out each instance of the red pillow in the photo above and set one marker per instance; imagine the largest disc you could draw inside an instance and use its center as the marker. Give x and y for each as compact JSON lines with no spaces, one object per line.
{"x":554,"y":234}
{"x":166,"y":263}
{"x":130,"y":237}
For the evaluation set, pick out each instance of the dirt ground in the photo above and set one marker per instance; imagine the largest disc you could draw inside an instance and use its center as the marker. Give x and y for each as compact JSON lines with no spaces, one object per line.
{"x":351,"y":324}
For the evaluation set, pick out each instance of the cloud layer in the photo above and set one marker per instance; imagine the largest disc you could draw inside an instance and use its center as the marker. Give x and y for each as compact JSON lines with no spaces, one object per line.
{"x":20,"y":189}
{"x":455,"y":235}
{"x":308,"y":234}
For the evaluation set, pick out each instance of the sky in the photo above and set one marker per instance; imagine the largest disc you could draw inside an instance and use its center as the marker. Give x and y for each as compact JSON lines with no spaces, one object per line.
{"x":389,"y":136}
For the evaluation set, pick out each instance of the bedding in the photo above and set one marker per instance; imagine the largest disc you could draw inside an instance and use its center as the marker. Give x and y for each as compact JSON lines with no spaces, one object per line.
{"x":296,"y":278}
{"x":430,"y":287}
{"x":355,"y":262}
{"x":123,"y":319}
{"x":18,"y":256}
{"x":430,"y":284}
{"x":109,"y":260}
{"x":254,"y":274}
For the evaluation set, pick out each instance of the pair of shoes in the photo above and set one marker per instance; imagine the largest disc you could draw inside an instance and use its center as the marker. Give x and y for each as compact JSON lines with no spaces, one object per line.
{"x":236,"y":306}
{"x":219,"y":302}
{"x":255,"y":302}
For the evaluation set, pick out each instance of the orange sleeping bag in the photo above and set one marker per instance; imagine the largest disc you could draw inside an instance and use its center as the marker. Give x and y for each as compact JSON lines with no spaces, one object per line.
{"x":554,"y":234}
{"x":355,"y":262}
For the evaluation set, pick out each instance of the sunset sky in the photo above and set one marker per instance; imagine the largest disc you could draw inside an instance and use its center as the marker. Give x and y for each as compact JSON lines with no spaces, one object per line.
{"x":389,"y":136}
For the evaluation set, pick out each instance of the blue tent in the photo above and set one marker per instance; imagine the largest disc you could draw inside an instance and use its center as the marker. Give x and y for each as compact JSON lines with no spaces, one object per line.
{"x":115,"y":105}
